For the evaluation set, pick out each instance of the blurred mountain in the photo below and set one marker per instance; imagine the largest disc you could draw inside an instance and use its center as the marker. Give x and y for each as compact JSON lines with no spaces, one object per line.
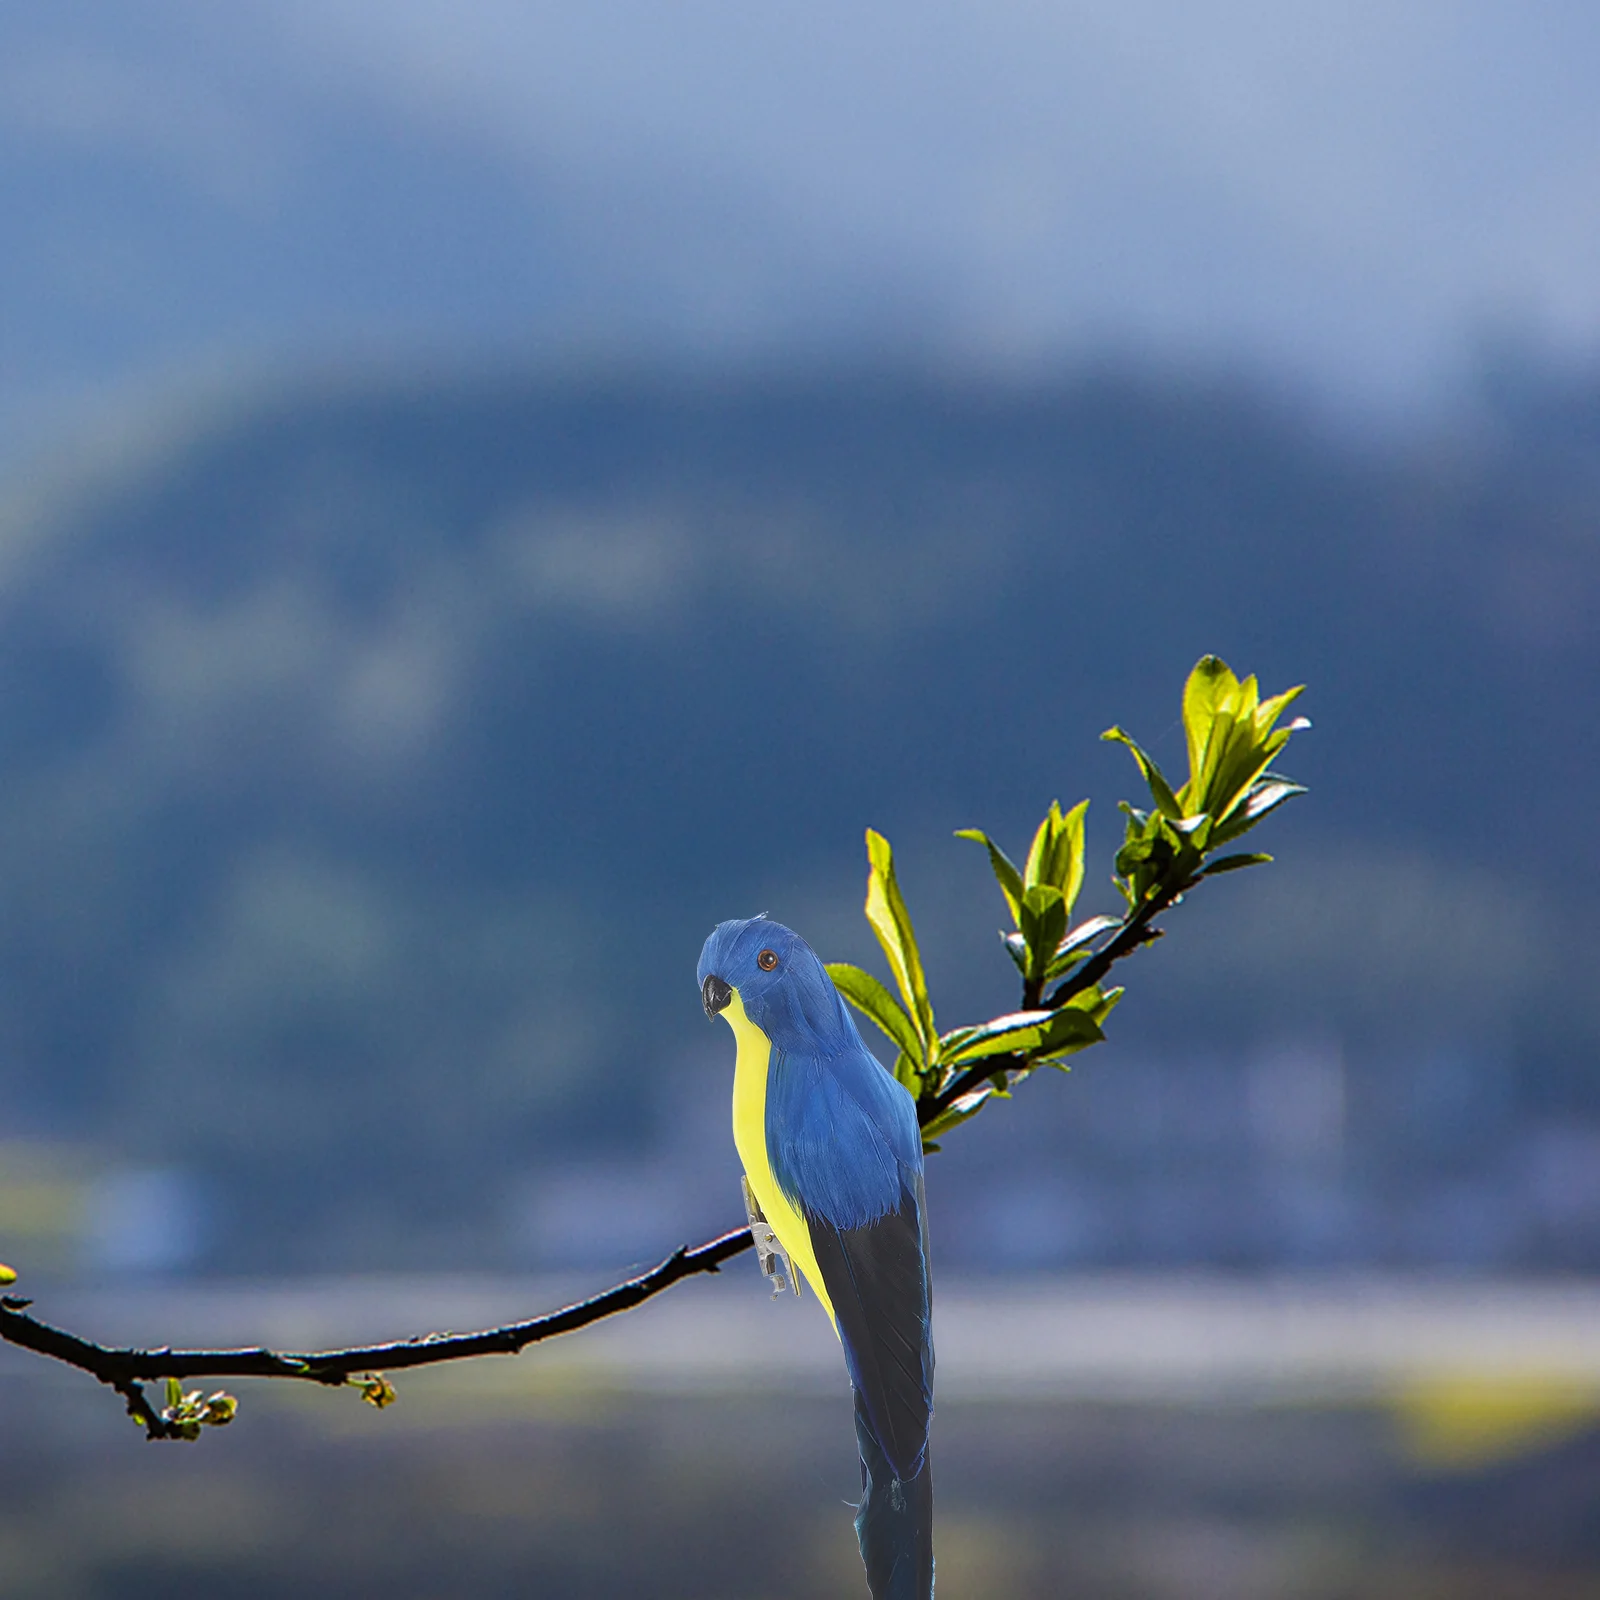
{"x":377,"y":754}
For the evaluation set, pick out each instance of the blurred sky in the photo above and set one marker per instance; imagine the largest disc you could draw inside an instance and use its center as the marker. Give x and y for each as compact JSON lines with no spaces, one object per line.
{"x":1347,"y":199}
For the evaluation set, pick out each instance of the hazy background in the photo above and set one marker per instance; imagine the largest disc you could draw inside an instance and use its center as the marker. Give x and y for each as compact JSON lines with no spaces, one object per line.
{"x":487,"y":492}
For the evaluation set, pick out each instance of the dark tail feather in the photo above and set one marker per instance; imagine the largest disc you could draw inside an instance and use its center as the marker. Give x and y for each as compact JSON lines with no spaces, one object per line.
{"x":894,"y":1524}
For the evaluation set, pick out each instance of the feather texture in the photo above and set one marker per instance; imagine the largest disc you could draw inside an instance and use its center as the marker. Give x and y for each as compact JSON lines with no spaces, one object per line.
{"x":877,"y":1279}
{"x":844,"y":1150}
{"x":894,"y":1523}
{"x":842,"y":1135}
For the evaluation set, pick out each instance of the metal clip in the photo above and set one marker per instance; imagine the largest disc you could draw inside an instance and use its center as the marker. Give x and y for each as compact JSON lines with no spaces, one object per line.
{"x":774,"y":1259}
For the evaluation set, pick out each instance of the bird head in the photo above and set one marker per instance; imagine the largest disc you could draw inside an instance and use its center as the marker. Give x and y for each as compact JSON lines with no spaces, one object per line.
{"x":783,"y":987}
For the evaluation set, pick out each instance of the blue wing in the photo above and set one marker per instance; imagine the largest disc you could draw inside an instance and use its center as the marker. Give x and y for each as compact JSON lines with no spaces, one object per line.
{"x":845,"y":1147}
{"x":877,"y":1279}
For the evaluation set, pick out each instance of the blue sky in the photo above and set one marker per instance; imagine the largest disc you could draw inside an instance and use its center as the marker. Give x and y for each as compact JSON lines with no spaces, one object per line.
{"x":1342,"y":199}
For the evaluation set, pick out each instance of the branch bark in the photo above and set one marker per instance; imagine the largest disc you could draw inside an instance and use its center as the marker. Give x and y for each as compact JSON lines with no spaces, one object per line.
{"x":127,"y":1370}
{"x":1136,"y":931}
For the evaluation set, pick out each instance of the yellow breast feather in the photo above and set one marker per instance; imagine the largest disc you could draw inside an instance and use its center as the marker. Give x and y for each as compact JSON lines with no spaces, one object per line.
{"x":750,"y":1137}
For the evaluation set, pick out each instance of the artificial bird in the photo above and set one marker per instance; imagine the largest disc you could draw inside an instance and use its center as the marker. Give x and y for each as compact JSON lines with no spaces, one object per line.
{"x":832,"y":1157}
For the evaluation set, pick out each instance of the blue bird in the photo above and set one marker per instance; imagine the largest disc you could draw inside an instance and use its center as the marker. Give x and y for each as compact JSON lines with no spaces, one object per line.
{"x":833,"y":1163}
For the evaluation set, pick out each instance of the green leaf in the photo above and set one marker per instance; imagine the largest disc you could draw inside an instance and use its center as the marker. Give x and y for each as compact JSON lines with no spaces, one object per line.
{"x":1134,"y":853}
{"x":1044,"y":926}
{"x":174,"y":1393}
{"x":1210,"y":688}
{"x":1270,"y":792}
{"x":1056,"y":855}
{"x":886,"y":911}
{"x":1095,"y":1002}
{"x":1242,"y":763}
{"x":1268,"y":712}
{"x":1017,"y":949}
{"x":1041,"y":853}
{"x":1070,"y":878}
{"x":1219,"y":719}
{"x":953,"y":1041}
{"x":1160,"y":790}
{"x":1231,"y":736}
{"x":1014,"y":1034}
{"x":1152,"y":847}
{"x":1076,"y":944}
{"x":908,"y":1071}
{"x":964,"y":1109}
{"x":1072,"y":1028}
{"x":1004,"y":868}
{"x":220,"y":1409}
{"x":1234,"y":863}
{"x":1211,"y":789}
{"x":1098,"y":1002}
{"x":375,"y":1389}
{"x":1195,"y":831}
{"x":1087,"y":932}
{"x":869,"y":997}
{"x":7,"y":1275}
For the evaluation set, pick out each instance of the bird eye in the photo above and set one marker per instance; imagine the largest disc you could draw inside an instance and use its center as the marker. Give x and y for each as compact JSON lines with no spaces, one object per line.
{"x":767,"y":960}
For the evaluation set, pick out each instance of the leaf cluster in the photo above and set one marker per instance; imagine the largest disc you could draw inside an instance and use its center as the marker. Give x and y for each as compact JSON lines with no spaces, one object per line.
{"x":1233,"y":737}
{"x":1040,"y":897}
{"x":186,"y":1413}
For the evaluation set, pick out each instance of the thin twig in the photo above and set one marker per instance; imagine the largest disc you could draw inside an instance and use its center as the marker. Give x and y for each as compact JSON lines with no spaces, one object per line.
{"x":139,"y":1408}
{"x":1135,"y":932}
{"x":126,"y":1369}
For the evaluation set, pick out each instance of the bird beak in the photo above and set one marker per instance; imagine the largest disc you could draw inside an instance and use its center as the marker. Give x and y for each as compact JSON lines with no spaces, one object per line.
{"x":715,"y":995}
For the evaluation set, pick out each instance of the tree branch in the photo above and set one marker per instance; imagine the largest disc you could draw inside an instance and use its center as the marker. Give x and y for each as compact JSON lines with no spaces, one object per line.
{"x":126,"y":1370}
{"x":1135,"y":932}
{"x":1232,"y":774}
